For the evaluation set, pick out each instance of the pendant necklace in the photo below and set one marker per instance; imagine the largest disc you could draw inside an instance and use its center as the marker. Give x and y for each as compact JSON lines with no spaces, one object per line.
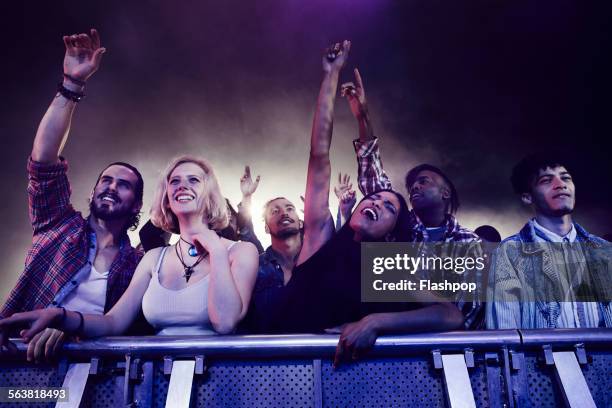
{"x":188,"y":268}
{"x":192,"y":251}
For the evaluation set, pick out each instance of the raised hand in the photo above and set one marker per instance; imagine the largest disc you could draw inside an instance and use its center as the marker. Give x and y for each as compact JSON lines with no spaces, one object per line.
{"x":83,"y":55}
{"x":355,"y":95}
{"x":247,"y":185}
{"x":344,"y":184}
{"x":345,"y":193}
{"x":335,"y":56}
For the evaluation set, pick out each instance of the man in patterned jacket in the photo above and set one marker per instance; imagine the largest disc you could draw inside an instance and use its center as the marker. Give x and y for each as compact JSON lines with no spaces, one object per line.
{"x":553,"y":273}
{"x":82,"y":264}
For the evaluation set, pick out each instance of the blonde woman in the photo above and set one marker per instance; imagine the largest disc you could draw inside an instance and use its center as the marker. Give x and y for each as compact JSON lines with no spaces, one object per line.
{"x":200,"y":285}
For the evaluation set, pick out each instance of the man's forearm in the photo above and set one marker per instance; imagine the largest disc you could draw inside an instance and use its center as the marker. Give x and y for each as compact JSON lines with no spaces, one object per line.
{"x":366,"y":132}
{"x":437,"y":317}
{"x":54,"y":127}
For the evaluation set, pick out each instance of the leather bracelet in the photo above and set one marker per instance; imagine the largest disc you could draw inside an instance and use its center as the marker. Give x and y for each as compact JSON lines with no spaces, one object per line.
{"x":79,"y":328}
{"x":74,"y":80}
{"x":68,"y":94}
{"x":62,"y":319}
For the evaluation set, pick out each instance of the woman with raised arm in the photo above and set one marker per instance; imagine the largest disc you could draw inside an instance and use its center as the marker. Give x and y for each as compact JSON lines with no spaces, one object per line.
{"x":200,"y":285}
{"x":325,"y":290}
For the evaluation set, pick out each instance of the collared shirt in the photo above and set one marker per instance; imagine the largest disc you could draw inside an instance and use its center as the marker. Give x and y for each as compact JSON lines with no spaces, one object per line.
{"x":372,"y":177}
{"x":61,"y":253}
{"x":551,"y":236}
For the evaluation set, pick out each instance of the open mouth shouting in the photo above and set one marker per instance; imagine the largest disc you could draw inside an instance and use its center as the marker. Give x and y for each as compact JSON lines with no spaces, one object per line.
{"x":370,"y":213}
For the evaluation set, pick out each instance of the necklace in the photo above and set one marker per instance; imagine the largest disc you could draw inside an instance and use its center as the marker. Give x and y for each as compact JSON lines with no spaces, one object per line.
{"x":192,"y":251}
{"x":188,"y":268}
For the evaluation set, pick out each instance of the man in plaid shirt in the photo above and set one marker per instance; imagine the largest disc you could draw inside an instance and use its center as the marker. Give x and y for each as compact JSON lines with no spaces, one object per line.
{"x":433,"y":197}
{"x":82,"y":264}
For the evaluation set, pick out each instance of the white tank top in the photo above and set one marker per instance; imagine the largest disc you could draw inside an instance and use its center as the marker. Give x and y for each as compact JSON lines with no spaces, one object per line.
{"x":90,"y":296}
{"x":177,"y":312}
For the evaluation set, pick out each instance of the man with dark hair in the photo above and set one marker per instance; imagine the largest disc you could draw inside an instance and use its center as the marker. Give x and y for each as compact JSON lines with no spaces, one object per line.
{"x":433,"y":197}
{"x":82,"y":264}
{"x":553,"y":273}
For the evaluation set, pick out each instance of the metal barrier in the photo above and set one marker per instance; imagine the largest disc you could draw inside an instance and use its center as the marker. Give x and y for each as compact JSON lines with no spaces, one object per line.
{"x":506,"y":368}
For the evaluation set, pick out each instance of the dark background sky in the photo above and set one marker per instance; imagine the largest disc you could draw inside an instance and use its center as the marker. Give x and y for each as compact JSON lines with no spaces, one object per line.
{"x":469,"y":86}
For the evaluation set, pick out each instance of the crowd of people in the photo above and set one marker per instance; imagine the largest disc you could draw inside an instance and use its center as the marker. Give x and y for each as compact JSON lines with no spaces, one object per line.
{"x":83,"y":278}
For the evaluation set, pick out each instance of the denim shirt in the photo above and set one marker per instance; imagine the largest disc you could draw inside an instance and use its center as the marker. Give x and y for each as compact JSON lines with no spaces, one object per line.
{"x":269,"y":286}
{"x":519,"y":292}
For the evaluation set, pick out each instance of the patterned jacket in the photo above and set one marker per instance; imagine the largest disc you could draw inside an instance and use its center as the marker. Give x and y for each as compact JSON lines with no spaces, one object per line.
{"x":523,"y":281}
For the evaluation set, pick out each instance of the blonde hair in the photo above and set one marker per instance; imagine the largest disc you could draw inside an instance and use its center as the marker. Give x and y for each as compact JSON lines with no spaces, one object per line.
{"x":214,"y":205}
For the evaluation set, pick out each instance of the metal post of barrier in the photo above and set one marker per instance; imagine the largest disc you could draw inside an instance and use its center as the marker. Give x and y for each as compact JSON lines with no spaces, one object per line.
{"x":143,"y":390}
{"x":318,"y":383}
{"x":181,"y":381}
{"x":511,"y":398}
{"x":494,"y":389}
{"x":519,"y":382}
{"x":456,"y":378}
{"x":74,"y":382}
{"x":569,"y":375}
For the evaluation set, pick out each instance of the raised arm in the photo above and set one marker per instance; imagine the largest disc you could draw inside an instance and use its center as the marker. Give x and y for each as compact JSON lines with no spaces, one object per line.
{"x":318,"y":223}
{"x":371,"y":175}
{"x":246,"y":232}
{"x":113,"y":323}
{"x":82,"y":59}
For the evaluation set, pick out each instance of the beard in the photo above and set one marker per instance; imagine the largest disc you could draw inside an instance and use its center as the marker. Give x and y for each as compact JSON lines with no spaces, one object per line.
{"x":105,"y":214}
{"x":285,"y":233}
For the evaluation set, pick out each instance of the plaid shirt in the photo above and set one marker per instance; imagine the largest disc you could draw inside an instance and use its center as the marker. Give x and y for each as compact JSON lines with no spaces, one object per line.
{"x":62,"y":246}
{"x":372,"y":177}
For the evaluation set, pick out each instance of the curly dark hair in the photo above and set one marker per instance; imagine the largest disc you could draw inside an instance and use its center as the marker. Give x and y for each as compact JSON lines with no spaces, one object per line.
{"x":525,"y":171}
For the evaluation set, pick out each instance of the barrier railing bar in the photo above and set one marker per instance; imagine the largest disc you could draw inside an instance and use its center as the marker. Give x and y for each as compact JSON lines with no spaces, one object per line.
{"x":300,"y":345}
